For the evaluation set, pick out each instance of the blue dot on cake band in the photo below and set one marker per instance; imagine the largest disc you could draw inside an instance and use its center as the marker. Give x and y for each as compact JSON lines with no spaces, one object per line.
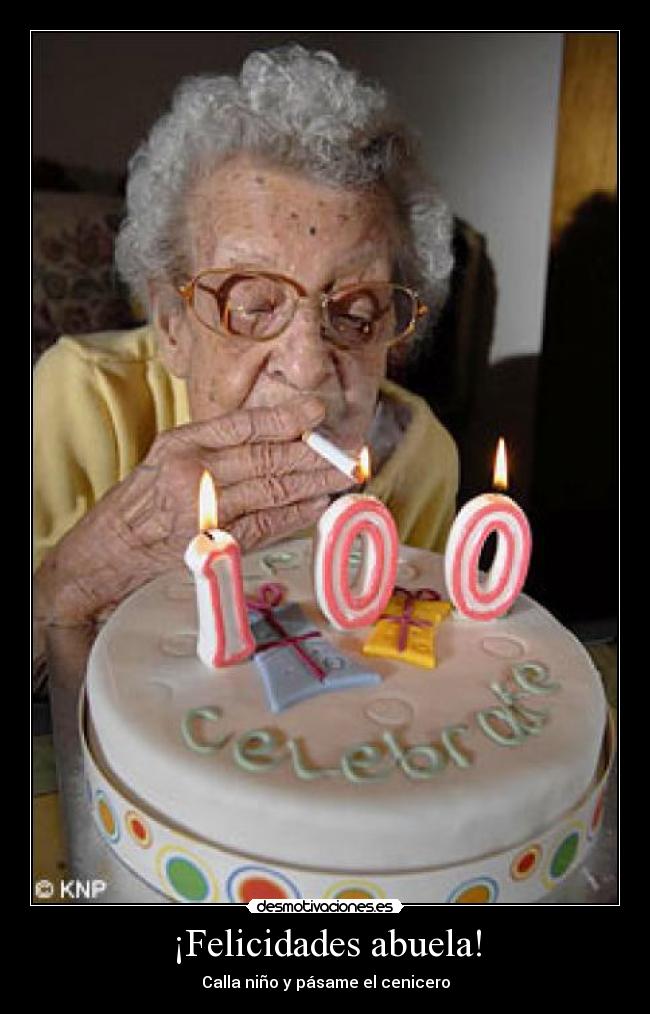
{"x":107,"y":817}
{"x":489,"y":885}
{"x":242,"y":872}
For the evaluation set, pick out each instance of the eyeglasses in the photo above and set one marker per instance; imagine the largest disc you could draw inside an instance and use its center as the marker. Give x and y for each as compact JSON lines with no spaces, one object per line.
{"x":260,"y":305}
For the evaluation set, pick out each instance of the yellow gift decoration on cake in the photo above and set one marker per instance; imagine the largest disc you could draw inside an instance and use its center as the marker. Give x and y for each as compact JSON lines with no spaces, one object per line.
{"x":407,"y":629}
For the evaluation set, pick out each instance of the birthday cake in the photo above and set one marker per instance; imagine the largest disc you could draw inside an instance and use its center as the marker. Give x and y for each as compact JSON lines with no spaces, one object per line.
{"x":314,"y":769}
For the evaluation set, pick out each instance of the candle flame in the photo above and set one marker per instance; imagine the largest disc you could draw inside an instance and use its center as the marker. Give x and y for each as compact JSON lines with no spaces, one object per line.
{"x":500,"y":479}
{"x":207,"y":503}
{"x":363,"y":465}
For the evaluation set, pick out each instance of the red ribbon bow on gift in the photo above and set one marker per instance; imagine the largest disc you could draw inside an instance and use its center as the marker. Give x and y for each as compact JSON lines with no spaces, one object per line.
{"x":407,"y":619}
{"x":269,"y":596}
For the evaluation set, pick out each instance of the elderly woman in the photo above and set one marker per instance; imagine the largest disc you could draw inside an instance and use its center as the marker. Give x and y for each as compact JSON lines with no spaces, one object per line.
{"x":282,"y":236}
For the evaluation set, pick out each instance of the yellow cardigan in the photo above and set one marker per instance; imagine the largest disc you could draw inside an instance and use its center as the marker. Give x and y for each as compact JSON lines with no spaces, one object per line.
{"x":99,"y":401}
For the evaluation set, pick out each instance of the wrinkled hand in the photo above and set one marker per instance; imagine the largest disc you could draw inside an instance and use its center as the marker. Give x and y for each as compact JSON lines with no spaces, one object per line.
{"x":269,"y":485}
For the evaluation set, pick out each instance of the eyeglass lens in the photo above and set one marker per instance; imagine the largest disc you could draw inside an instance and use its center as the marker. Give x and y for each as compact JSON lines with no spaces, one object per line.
{"x":260,"y":307}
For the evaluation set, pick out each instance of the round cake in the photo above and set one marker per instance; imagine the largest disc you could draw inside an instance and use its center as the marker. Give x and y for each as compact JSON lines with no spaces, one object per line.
{"x":478,"y":780}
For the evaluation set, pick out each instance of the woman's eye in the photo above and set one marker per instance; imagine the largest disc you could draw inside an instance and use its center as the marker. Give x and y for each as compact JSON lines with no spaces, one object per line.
{"x":354,"y":320}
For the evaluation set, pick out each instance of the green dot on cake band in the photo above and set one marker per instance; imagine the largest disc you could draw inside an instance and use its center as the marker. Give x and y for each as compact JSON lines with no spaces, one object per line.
{"x":187,"y":879}
{"x":564,"y":855}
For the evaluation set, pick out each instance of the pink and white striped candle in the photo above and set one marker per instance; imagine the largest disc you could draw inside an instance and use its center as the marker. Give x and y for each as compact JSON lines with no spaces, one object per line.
{"x":487,"y":598}
{"x":360,"y":603}
{"x":214,"y":558}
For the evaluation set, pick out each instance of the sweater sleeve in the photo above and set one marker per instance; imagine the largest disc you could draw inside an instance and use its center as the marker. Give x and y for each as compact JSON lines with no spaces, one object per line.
{"x":434,"y":498}
{"x":75,"y":455}
{"x":419,"y":483}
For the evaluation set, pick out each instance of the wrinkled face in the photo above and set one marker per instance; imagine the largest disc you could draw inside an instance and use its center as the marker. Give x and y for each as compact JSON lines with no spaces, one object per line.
{"x":248,"y":213}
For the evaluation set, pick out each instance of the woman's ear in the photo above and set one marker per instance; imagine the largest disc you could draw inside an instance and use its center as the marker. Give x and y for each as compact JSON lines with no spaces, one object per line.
{"x":169,"y":321}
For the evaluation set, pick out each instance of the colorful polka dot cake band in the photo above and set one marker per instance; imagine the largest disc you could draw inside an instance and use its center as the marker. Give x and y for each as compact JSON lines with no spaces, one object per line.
{"x":187,"y":876}
{"x":189,"y":871}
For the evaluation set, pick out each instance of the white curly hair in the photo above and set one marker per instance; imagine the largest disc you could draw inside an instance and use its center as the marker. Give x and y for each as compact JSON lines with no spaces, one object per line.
{"x":302,"y":110}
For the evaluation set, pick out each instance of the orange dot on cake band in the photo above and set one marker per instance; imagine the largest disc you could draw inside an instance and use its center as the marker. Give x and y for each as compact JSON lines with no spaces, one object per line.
{"x":481,"y":891}
{"x":260,"y":887}
{"x":477,"y":895}
{"x":107,"y":817}
{"x":351,"y":889}
{"x":138,"y":828}
{"x":525,"y":864}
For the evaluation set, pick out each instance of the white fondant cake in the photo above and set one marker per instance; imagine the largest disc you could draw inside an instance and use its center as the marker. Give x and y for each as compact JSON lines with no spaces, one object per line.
{"x":448,"y":770}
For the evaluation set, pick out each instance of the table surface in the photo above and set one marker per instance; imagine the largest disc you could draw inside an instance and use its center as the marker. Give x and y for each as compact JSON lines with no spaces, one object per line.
{"x":89,"y":858}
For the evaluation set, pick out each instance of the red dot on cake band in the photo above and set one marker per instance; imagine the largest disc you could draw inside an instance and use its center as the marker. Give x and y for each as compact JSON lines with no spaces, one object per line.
{"x":597,"y":815}
{"x":525,"y":864}
{"x":138,"y":828}
{"x":250,"y":882}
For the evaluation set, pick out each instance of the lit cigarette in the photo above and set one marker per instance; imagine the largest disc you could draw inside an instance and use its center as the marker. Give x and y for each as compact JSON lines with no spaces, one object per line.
{"x":354,"y":468}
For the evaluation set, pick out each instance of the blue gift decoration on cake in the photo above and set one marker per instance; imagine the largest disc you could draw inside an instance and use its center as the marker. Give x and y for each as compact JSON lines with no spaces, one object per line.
{"x":294,"y":660}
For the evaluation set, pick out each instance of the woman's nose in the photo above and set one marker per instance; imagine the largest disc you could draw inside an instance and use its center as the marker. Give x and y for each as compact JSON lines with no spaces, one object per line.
{"x":300,"y":356}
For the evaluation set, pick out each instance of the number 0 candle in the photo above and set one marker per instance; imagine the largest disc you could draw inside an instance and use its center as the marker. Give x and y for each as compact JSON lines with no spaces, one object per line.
{"x":214,"y":558}
{"x":490,"y":597}
{"x":355,"y":516}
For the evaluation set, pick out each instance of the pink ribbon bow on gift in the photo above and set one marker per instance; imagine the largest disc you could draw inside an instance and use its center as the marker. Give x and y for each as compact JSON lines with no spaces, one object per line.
{"x":269,"y":596}
{"x":407,"y":619}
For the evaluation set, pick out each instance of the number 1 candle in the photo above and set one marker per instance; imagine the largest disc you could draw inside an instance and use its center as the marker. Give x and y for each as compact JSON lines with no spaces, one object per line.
{"x":214,"y":558}
{"x":487,"y":599}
